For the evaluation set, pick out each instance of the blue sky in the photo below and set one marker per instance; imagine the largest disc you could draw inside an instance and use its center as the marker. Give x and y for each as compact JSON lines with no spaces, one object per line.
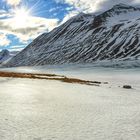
{"x":21,"y":21}
{"x":44,"y":9}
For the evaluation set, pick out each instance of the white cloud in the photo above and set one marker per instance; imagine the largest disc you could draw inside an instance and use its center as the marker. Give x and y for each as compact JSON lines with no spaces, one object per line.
{"x":69,"y":15}
{"x":13,"y":2}
{"x":4,"y":41}
{"x":17,"y":48}
{"x":4,"y":14}
{"x":95,"y":5}
{"x":92,"y":6}
{"x":24,"y":27}
{"x":33,"y":27}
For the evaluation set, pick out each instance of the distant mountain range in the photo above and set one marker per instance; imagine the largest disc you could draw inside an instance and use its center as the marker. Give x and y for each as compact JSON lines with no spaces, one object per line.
{"x":6,"y":55}
{"x":87,"y":38}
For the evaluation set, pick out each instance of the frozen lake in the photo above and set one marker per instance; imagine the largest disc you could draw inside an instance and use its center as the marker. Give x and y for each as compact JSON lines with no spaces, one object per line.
{"x":53,"y":110}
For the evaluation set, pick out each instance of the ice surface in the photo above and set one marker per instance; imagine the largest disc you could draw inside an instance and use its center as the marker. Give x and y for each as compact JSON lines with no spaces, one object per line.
{"x":52,"y":110}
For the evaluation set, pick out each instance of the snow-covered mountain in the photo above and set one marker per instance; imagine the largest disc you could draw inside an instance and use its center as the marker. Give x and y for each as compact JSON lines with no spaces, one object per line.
{"x":6,"y":55}
{"x":86,"y":38}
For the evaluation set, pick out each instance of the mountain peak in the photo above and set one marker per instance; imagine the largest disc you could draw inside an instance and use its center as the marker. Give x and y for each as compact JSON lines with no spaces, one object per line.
{"x":116,"y":10}
{"x":5,"y":52}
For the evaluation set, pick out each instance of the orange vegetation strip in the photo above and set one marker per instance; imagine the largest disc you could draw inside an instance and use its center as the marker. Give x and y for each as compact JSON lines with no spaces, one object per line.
{"x":49,"y":77}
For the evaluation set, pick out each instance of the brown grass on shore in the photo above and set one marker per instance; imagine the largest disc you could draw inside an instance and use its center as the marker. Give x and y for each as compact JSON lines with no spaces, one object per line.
{"x":48,"y":77}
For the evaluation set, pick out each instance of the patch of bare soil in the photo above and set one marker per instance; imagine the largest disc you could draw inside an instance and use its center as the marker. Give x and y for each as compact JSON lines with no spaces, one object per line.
{"x":49,"y":77}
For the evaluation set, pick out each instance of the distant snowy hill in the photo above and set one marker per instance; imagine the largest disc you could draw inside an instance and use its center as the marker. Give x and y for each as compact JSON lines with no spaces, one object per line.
{"x":86,"y":38}
{"x":6,"y":55}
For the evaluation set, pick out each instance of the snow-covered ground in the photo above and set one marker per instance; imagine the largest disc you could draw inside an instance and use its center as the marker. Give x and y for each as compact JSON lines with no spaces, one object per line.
{"x":53,"y":110}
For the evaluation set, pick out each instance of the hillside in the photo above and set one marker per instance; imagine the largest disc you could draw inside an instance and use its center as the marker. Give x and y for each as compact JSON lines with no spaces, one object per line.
{"x":86,"y":38}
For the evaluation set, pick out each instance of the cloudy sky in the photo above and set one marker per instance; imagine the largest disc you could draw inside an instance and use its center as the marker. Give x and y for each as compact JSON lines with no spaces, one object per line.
{"x":23,"y":20}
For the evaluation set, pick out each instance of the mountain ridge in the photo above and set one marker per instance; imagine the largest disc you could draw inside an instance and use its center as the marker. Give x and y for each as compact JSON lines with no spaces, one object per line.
{"x":86,"y":38}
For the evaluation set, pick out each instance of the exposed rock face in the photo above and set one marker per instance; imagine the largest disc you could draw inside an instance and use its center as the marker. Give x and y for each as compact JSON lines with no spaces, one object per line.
{"x":85,"y":38}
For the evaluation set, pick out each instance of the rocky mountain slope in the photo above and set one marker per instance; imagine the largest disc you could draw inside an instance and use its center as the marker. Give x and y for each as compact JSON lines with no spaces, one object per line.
{"x":86,"y":38}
